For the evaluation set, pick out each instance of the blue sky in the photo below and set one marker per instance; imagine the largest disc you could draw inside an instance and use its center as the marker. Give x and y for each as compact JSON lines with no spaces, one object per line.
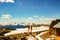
{"x":29,"y":8}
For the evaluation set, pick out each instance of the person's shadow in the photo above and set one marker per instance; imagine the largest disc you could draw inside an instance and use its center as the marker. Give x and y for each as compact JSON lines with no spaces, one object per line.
{"x":24,"y":38}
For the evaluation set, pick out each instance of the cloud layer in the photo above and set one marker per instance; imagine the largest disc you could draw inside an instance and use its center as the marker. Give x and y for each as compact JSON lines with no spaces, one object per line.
{"x":46,"y":19}
{"x":35,"y":16}
{"x":7,"y":16}
{"x":35,"y":19}
{"x":11,"y":1}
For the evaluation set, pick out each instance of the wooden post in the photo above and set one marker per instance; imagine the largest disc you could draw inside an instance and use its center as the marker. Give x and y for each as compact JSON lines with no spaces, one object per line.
{"x":29,"y":29}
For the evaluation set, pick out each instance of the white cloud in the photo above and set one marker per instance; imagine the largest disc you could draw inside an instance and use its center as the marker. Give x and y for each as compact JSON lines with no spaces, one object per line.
{"x":42,"y":16}
{"x":35,"y":16}
{"x":2,"y":0}
{"x":30,"y":18}
{"x":46,"y":19}
{"x":11,"y":1}
{"x":7,"y":16}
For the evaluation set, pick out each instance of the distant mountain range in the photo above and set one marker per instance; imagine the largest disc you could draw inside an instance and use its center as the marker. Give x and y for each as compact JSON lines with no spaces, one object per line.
{"x":12,"y":26}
